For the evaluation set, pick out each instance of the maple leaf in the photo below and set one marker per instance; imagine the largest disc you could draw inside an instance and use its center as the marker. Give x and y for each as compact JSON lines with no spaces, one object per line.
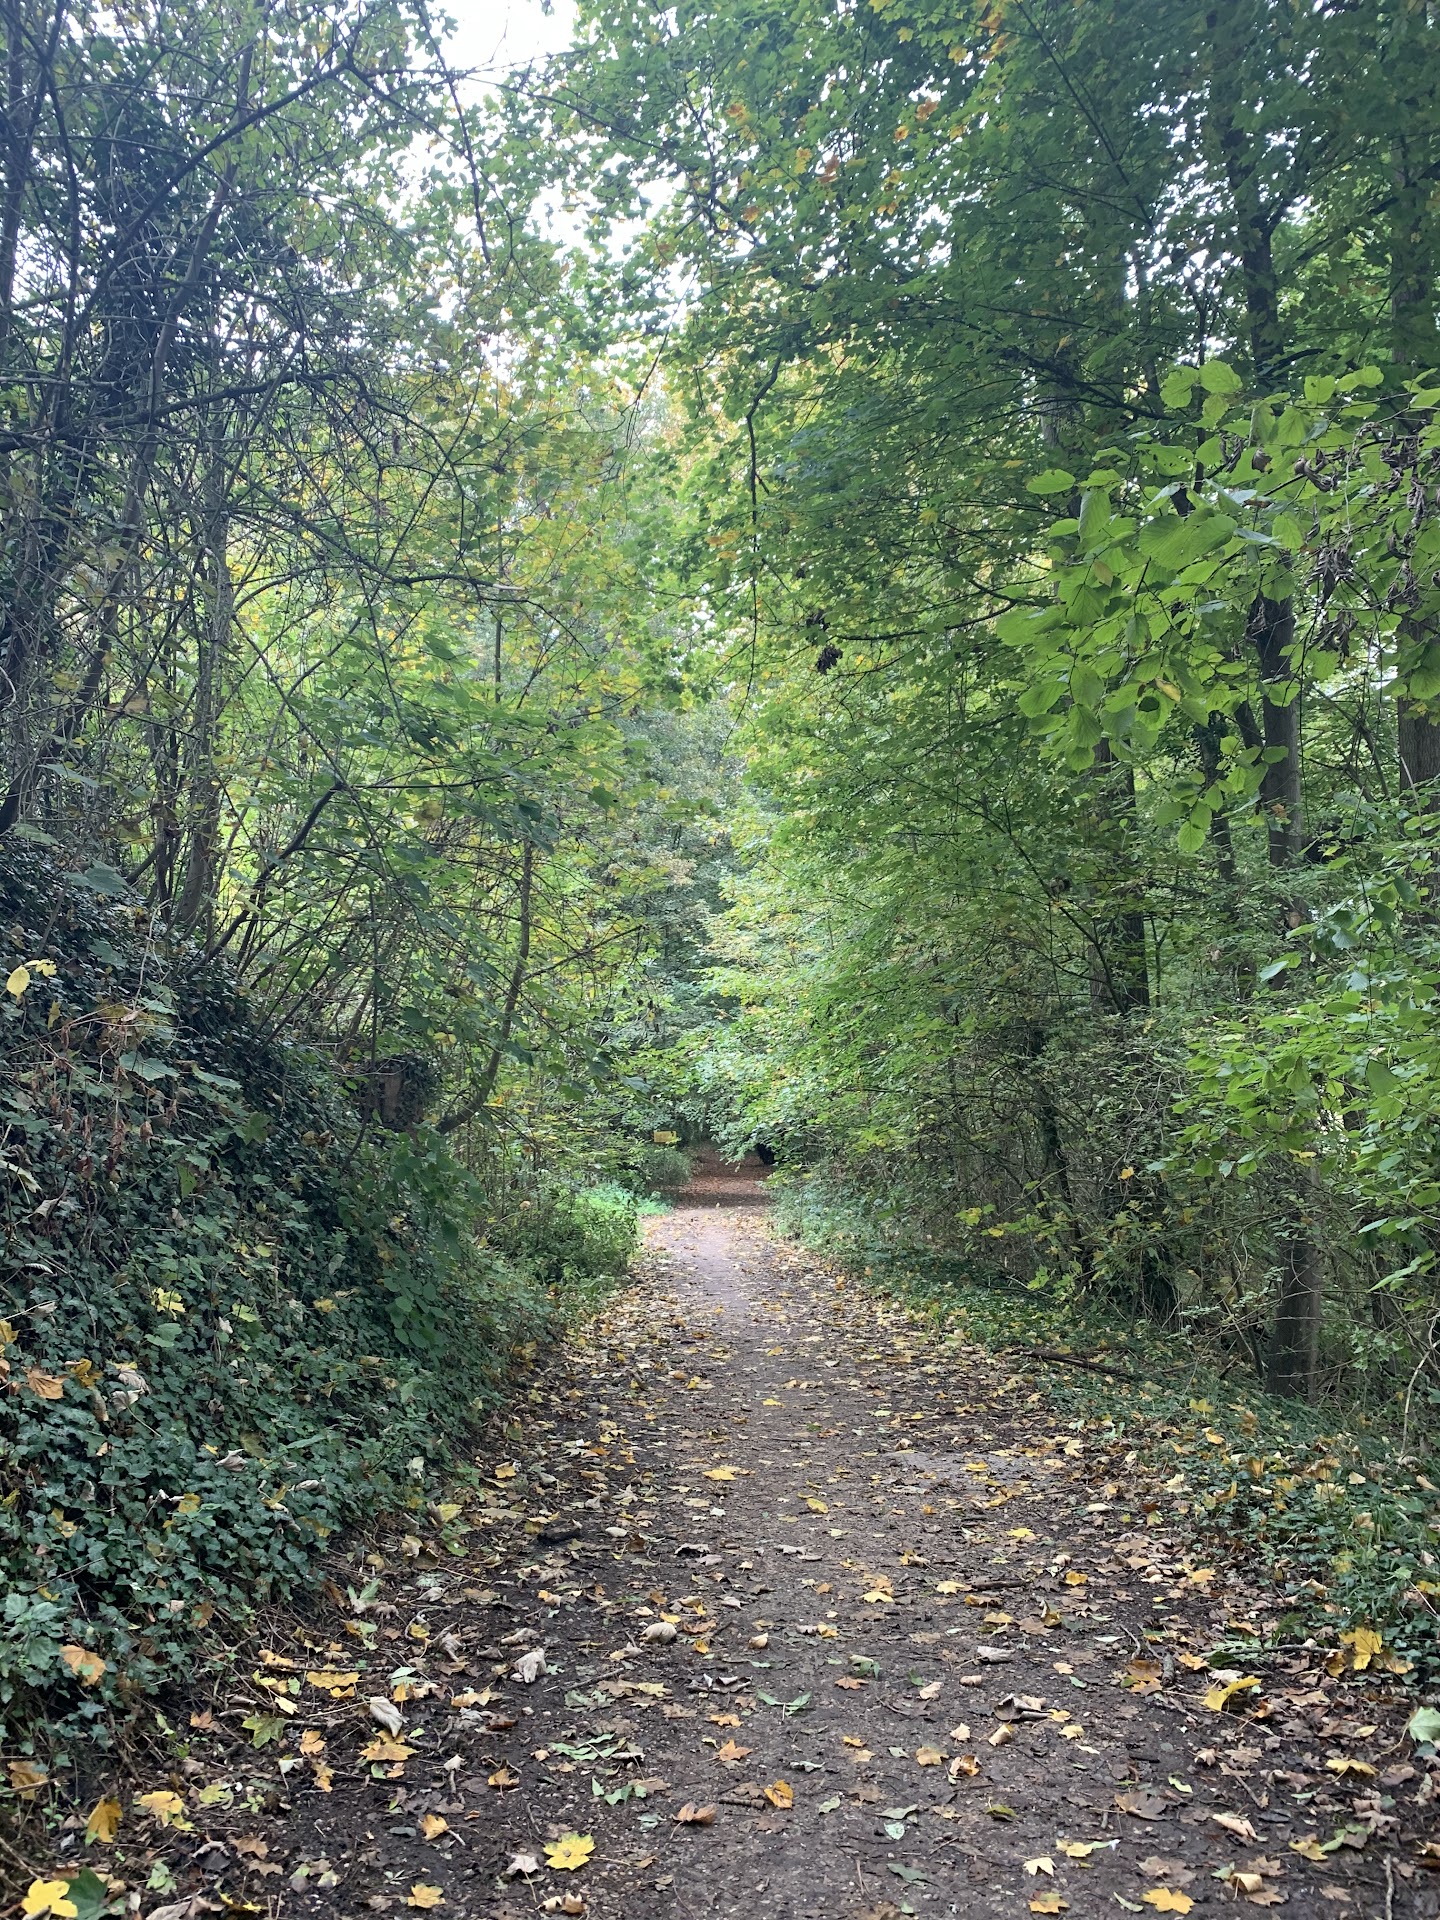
{"x":422,"y":1895}
{"x":1042,"y":1863}
{"x":166,"y":1809}
{"x":730,"y":1755}
{"x":104,"y":1821}
{"x":432,"y":1825}
{"x":929,"y":1757}
{"x":87,"y":1667}
{"x":1168,"y":1900}
{"x":49,"y":1897}
{"x":382,"y":1749}
{"x":569,"y":1852}
{"x":780,"y":1794}
{"x":1048,"y":1903}
{"x":692,"y":1816}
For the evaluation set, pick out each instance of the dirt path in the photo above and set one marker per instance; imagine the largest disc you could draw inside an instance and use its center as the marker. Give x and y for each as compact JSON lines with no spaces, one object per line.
{"x":899,"y":1642}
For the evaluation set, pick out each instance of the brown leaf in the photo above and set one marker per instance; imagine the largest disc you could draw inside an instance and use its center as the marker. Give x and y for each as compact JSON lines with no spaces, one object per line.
{"x":1141,"y":1803}
{"x":692,"y":1816}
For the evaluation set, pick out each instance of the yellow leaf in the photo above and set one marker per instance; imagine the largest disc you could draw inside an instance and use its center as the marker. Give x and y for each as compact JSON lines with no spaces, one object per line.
{"x":49,"y":1896}
{"x":47,"y":1386}
{"x":1042,"y":1863}
{"x":719,"y":1473}
{"x":324,"y":1775}
{"x":86,"y":1666}
{"x":168,"y":1809}
{"x":1048,"y":1903}
{"x":1308,"y":1849}
{"x":780,"y":1794}
{"x":1082,"y":1849}
{"x":929,"y":1757}
{"x":506,"y":1472}
{"x":1345,"y":1766}
{"x":188,"y":1503}
{"x":432,"y":1825}
{"x":26,"y":1777}
{"x":1074,"y":1579}
{"x":816,"y":1506}
{"x":1219,"y":1697}
{"x":383,"y":1748}
{"x":312,"y":1741}
{"x":1168,"y":1900}
{"x":104,"y":1821}
{"x":340,"y":1686}
{"x":1073,"y":1732}
{"x":18,"y":981}
{"x":423,"y":1896}
{"x":1366,"y":1643}
{"x":570,"y":1851}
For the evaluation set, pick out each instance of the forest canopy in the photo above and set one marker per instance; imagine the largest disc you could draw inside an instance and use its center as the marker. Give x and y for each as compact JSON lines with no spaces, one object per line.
{"x":863,"y":579}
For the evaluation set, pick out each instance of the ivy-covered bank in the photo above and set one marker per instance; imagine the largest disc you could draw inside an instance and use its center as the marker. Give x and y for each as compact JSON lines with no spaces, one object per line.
{"x":237,"y":1315}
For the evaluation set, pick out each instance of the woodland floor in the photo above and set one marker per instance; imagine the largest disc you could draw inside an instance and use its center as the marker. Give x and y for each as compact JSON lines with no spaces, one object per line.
{"x":917,"y":1664}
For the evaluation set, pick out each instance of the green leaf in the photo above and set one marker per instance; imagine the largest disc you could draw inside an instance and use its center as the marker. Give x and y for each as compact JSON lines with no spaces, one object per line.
{"x":1178,"y":386}
{"x":1423,"y":1726}
{"x":1217,"y":376}
{"x":1053,"y":480}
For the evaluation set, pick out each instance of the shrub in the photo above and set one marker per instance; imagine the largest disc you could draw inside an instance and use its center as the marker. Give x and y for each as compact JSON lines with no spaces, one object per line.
{"x":234,"y":1318}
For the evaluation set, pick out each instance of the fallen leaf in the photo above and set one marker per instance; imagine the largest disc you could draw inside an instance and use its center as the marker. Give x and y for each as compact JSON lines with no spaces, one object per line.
{"x":570,"y":1851}
{"x":166,"y":1809}
{"x":386,"y":1713}
{"x":104,"y":1821}
{"x":1141,"y":1803}
{"x":1345,"y":1766}
{"x":502,"y":1778}
{"x":26,"y":1777}
{"x":719,"y":1473}
{"x":1048,"y":1903}
{"x":1235,"y":1823}
{"x":432,"y":1825}
{"x":381,"y":1751}
{"x":1042,"y":1863}
{"x":730,"y":1755}
{"x":422,"y":1895}
{"x":87,"y":1667}
{"x":530,"y":1666}
{"x":692,"y":1816}
{"x":49,"y":1896}
{"x":1168,"y":1900}
{"x":522,"y":1863}
{"x":1220,"y":1697}
{"x":929,"y":1757}
{"x":312,"y":1742}
{"x":780,"y":1794}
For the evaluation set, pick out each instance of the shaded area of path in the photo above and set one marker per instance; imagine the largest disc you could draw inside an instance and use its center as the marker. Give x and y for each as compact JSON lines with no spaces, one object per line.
{"x":842,"y":1588}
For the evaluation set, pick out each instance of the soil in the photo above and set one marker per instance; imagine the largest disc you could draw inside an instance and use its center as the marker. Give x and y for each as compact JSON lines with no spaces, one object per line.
{"x":849,"y":1592}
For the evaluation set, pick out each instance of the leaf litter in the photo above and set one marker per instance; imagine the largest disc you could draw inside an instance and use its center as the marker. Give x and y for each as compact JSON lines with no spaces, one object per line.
{"x":751,"y":1501}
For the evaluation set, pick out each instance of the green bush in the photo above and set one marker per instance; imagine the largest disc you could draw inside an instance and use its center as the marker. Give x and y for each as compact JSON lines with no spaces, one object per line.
{"x":234,"y":1319}
{"x":571,"y":1237}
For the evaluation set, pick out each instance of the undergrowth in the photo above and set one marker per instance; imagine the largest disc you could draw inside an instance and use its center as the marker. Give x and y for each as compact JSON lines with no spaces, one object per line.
{"x":1336,"y":1505}
{"x":235,"y":1319}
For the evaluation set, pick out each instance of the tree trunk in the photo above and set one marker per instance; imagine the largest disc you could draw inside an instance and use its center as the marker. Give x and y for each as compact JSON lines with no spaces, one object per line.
{"x":1294,"y":1352}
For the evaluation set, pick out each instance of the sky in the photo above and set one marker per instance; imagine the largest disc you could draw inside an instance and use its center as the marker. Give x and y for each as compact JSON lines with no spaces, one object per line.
{"x":491,"y":34}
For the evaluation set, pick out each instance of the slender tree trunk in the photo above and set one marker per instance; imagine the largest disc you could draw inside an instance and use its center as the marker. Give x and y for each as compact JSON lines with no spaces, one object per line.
{"x":485,"y":1086}
{"x":1293,"y":1356}
{"x":1415,"y":345}
{"x":195,"y":907}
